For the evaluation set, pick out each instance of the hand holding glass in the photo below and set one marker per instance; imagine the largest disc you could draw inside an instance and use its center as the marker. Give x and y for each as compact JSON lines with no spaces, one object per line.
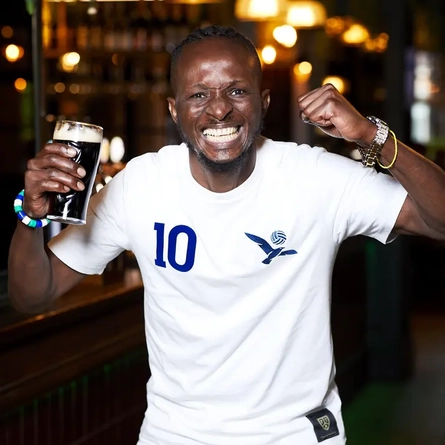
{"x":86,"y":139}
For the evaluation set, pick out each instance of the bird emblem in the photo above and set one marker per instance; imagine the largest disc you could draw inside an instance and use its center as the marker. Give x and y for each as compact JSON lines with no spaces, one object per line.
{"x":278,"y":237}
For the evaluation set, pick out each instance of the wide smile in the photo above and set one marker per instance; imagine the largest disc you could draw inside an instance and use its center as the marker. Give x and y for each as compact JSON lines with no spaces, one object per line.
{"x":221,"y":135}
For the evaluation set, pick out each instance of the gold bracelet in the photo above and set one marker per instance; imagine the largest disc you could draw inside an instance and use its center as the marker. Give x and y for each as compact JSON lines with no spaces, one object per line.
{"x":396,"y":150}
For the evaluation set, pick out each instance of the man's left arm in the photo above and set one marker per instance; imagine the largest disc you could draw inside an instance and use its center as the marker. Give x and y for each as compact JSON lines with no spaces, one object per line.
{"x":423,"y":212}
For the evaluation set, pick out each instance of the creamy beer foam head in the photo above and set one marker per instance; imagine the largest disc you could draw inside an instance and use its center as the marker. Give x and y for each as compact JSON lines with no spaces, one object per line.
{"x":69,"y":131}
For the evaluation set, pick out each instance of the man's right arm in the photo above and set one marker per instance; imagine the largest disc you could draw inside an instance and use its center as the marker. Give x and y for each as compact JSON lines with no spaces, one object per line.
{"x":36,"y":277}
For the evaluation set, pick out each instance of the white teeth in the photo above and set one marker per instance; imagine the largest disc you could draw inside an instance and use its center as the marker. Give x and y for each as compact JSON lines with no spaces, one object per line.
{"x":221,"y":134}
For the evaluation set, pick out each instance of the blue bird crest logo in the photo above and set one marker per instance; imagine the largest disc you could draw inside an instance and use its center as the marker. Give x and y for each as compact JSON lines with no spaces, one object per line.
{"x":278,"y":238}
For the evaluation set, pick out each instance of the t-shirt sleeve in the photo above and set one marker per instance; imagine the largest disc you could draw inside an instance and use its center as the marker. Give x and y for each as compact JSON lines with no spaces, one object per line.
{"x":361,"y":200}
{"x":89,"y":248}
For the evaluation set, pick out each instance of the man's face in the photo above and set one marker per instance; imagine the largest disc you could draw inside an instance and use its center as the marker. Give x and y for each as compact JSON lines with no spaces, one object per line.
{"x":218,"y":105}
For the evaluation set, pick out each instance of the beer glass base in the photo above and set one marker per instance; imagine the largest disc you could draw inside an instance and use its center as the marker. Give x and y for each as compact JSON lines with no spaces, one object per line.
{"x":66,"y":220}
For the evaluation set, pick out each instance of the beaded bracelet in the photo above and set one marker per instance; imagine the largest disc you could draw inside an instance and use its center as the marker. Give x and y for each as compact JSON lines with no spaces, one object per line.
{"x":23,"y":217}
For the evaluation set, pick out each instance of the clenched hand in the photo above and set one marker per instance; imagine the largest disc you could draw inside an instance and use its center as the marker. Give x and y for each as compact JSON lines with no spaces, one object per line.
{"x":326,"y":108}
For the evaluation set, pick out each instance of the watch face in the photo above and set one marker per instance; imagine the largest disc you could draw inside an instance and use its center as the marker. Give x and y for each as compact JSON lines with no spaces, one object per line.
{"x":377,"y":121}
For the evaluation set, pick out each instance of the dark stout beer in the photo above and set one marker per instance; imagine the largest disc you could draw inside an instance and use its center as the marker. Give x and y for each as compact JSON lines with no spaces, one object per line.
{"x":86,"y":139}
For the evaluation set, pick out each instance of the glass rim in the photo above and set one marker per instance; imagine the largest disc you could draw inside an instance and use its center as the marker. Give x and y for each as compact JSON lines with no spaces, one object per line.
{"x":80,"y":123}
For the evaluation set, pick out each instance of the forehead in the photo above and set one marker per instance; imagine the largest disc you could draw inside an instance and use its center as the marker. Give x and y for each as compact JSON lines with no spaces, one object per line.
{"x":216,"y":57}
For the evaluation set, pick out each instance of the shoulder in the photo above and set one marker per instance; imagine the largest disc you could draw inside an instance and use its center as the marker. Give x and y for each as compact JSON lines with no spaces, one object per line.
{"x":169,"y":154}
{"x":146,"y":173}
{"x":289,"y":149}
{"x":314,"y":168}
{"x":317,"y":158}
{"x":290,"y":155}
{"x":149,"y":167}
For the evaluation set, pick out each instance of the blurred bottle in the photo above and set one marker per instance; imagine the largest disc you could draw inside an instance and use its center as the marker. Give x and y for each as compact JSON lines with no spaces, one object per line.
{"x":96,"y":32}
{"x":181,"y":25}
{"x":169,"y":30}
{"x":159,"y":17}
{"x":54,"y":39}
{"x":123,"y":38}
{"x":46,"y":25}
{"x":82,"y":32}
{"x":141,"y":27}
{"x":110,"y":42}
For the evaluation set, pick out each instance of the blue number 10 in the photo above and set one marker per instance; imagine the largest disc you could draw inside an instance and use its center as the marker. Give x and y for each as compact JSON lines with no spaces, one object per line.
{"x":171,"y":247}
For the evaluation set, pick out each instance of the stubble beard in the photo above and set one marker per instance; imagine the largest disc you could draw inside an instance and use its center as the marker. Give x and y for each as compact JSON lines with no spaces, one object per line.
{"x":228,"y":167}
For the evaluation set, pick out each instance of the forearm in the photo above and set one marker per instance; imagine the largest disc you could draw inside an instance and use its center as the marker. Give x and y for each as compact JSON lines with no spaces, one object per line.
{"x":423,"y":180}
{"x":29,"y":270}
{"x":423,"y":213}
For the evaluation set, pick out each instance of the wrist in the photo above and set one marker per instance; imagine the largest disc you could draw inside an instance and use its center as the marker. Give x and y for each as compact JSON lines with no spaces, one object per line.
{"x":369,"y":133}
{"x":39,"y":213}
{"x":370,"y":151}
{"x":24,"y":217}
{"x":31,"y":214}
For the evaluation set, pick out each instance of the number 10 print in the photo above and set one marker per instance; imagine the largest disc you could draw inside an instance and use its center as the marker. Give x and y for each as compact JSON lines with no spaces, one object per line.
{"x":172,"y":241}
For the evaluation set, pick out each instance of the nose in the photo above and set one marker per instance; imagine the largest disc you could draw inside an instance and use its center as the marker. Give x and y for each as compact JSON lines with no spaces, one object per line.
{"x":219,"y":107}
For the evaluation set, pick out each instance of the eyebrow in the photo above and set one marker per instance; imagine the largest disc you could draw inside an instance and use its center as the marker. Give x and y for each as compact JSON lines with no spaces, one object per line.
{"x":204,"y":86}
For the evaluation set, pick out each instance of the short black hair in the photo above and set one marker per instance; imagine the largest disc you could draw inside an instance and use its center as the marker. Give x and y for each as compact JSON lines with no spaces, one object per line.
{"x":212,"y":32}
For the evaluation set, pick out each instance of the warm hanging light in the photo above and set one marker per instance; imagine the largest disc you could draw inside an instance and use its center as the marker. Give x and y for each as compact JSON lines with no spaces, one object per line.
{"x":14,"y":52}
{"x":185,"y":2}
{"x":258,"y":10}
{"x":193,"y":2}
{"x":20,"y":84}
{"x":339,"y":82}
{"x":356,"y":34}
{"x":69,"y":61}
{"x":285,"y":35}
{"x":268,"y":54}
{"x":303,"y":71}
{"x":305,"y":14}
{"x":7,"y":32}
{"x":337,"y":25}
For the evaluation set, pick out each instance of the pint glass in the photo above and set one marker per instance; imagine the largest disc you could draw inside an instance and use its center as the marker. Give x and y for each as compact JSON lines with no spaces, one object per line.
{"x":86,"y":139}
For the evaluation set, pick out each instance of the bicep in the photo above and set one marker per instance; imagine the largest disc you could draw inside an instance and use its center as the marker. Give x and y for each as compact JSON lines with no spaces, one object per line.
{"x":409,"y":221}
{"x":63,"y":277}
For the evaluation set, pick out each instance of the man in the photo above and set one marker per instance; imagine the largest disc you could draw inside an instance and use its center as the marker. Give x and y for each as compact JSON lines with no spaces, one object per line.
{"x":236,"y":236}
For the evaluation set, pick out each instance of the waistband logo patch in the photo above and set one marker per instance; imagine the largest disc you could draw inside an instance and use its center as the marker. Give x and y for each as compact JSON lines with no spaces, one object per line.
{"x":324,"y":423}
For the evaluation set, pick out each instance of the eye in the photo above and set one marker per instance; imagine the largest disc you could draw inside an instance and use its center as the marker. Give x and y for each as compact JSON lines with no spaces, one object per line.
{"x":197,"y":96}
{"x":237,"y":92}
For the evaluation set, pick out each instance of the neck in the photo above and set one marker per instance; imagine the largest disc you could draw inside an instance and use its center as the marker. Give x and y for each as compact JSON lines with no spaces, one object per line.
{"x":220,"y":182}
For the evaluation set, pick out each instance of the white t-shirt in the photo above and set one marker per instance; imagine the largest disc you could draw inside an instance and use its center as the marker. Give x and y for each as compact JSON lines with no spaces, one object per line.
{"x":237,"y":288}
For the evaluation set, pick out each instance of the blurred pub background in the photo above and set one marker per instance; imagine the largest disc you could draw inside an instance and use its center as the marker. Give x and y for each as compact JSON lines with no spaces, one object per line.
{"x":76,"y":374}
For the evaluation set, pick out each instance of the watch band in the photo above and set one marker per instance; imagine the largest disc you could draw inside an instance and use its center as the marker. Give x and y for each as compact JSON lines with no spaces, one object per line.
{"x":370,"y":154}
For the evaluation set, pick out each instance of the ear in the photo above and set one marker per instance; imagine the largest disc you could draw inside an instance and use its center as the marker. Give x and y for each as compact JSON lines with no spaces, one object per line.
{"x":172,"y":108}
{"x":265,"y":100}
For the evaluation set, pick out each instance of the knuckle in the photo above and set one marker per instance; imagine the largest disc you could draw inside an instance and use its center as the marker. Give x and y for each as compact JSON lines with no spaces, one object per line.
{"x":52,"y":159}
{"x":52,"y":173}
{"x":43,"y":152}
{"x":30,"y":165}
{"x":30,"y":177}
{"x":330,"y":88}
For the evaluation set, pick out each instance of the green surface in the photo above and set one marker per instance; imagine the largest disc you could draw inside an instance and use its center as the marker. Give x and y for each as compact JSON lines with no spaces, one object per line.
{"x":368,"y":418}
